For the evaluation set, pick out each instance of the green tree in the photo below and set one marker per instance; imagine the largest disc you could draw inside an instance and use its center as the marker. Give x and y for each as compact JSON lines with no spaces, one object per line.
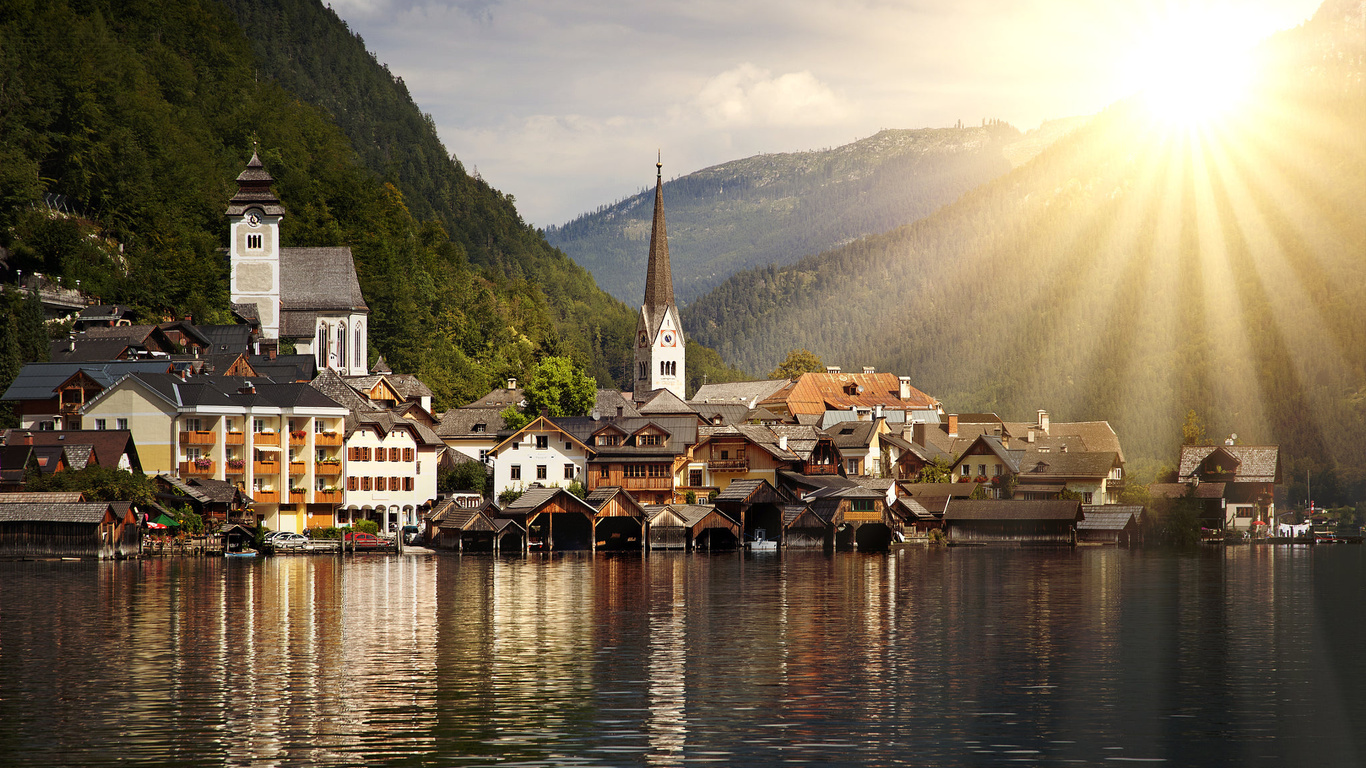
{"x":32,"y":333}
{"x":9,"y":365}
{"x":798,"y":361}
{"x":98,"y":484}
{"x":1193,"y":430}
{"x":558,"y":387}
{"x":465,"y":476}
{"x":936,"y":471}
{"x":514,"y":419}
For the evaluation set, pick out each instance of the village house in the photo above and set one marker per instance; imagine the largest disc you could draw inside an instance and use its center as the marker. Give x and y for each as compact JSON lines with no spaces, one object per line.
{"x":833,"y":396}
{"x":722,"y":455}
{"x":1235,"y":483}
{"x":541,"y":453}
{"x":49,"y":396}
{"x":280,"y":442}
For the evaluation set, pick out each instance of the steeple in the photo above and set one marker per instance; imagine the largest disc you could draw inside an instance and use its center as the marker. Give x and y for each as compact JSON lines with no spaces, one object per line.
{"x":253,"y":189}
{"x":659,"y":281}
{"x":660,"y":348}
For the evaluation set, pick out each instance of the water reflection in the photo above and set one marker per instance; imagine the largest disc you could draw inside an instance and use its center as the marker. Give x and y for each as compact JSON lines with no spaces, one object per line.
{"x":1249,"y":655}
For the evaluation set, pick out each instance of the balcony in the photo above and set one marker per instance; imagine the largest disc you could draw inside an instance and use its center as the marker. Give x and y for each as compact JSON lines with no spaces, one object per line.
{"x":265,"y":467}
{"x":327,"y":497}
{"x":239,"y":468}
{"x":647,"y":483}
{"x":729,"y":465}
{"x":324,"y":468}
{"x":234,"y":438}
{"x":297,"y":497}
{"x":265,"y":438}
{"x":71,"y":407}
{"x":196,"y":467}
{"x":198,"y":438}
{"x":324,"y":439}
{"x":265,"y":497}
{"x":297,"y":468}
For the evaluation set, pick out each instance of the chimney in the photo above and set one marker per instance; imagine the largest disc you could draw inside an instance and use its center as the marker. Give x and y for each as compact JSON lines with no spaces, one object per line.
{"x":512,"y":383}
{"x":869,"y":369}
{"x":1043,"y":421}
{"x":28,"y":438}
{"x":953,"y":425}
{"x":878,"y":411}
{"x":832,"y":369}
{"x":918,"y":433}
{"x":905,"y":393}
{"x":782,"y":442}
{"x":71,"y":343}
{"x":247,"y":388}
{"x":1030,"y":437}
{"x":1230,"y":440}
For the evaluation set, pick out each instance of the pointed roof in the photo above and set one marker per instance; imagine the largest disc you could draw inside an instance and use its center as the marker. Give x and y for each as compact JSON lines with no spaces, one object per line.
{"x":253,"y":190}
{"x":659,"y":282}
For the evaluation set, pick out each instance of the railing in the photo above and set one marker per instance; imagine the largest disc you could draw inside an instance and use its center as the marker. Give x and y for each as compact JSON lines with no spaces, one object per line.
{"x":729,"y":465}
{"x":237,"y":470}
{"x":71,"y":407}
{"x":822,"y":469}
{"x":296,"y":497}
{"x":323,"y":439}
{"x":327,"y":497}
{"x":297,"y":467}
{"x":266,"y":438}
{"x":234,"y":438}
{"x":646,"y":483}
{"x":198,"y":438}
{"x":323,"y":468}
{"x":196,"y":468}
{"x":266,"y":497}
{"x":266,"y":467}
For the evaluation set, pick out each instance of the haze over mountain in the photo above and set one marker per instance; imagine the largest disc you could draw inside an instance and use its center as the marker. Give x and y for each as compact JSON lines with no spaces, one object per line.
{"x":1138,"y":268}
{"x":777,"y":208}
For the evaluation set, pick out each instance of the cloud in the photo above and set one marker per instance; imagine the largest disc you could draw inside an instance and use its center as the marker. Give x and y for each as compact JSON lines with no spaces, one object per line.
{"x":748,"y":96}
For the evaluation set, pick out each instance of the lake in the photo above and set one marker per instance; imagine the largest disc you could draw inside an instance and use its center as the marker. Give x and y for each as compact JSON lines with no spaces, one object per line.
{"x":957,"y":657}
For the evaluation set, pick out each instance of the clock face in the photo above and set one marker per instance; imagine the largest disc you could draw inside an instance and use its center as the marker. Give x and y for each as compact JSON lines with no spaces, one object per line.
{"x":254,"y":219}
{"x":669,"y":339}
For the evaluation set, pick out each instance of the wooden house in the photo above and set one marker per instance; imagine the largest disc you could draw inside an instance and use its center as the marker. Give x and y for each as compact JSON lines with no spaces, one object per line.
{"x":60,"y":529}
{"x":691,"y":526}
{"x":727,"y":453}
{"x":478,"y":529}
{"x":620,"y":522}
{"x":859,"y":517}
{"x":1111,"y":524}
{"x":757,"y":506}
{"x":996,"y":521}
{"x":554,"y":519}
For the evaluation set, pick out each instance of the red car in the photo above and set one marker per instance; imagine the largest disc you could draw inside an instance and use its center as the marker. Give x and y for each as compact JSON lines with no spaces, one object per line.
{"x":360,"y":540}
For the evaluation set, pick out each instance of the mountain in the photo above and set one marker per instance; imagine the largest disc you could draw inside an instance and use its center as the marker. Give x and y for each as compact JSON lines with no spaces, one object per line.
{"x":774,"y":209}
{"x":133,"y":119}
{"x":1132,"y":271}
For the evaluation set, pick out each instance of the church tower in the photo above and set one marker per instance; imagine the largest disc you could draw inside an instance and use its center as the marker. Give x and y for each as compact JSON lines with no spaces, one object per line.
{"x":254,"y":215}
{"x":659,"y":334}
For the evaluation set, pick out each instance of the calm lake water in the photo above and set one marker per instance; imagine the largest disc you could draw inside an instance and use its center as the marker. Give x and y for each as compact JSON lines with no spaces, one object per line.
{"x":1244,"y":656}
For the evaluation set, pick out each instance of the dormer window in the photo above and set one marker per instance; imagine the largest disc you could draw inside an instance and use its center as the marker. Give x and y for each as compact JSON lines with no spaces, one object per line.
{"x":255,"y":242}
{"x":649,"y":440}
{"x":479,"y":428}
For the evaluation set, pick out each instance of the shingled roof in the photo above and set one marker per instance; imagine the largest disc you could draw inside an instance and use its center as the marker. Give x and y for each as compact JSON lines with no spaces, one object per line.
{"x":316,"y":280}
{"x":1256,"y":463}
{"x":994,"y":509}
{"x":471,"y":422}
{"x":83,"y":512}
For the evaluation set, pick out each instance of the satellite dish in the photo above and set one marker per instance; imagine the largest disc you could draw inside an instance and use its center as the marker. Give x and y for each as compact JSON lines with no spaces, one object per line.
{"x":595,"y":414}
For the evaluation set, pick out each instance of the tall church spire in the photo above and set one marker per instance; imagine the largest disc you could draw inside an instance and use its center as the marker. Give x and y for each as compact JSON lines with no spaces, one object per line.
{"x":659,"y":281}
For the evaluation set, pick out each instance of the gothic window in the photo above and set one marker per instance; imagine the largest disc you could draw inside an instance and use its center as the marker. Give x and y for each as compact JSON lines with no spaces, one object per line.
{"x":341,"y":345}
{"x":358,"y":351}
{"x":642,"y":371}
{"x":322,"y":346}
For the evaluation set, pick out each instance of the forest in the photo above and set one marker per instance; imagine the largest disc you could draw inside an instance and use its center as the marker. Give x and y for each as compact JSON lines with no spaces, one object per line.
{"x":136,"y":117}
{"x":1131,"y":272}
{"x":776,"y":208}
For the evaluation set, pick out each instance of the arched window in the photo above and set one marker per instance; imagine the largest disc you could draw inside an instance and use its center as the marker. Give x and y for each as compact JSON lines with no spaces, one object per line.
{"x":322,"y":346}
{"x":359,"y":350}
{"x":341,"y":345}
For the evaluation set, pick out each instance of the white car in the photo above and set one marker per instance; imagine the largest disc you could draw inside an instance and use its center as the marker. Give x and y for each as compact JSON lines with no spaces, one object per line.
{"x":290,"y":541}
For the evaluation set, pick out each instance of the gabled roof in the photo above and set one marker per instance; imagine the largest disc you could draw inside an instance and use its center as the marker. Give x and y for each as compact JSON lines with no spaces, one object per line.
{"x":533,"y":499}
{"x":542,"y":423}
{"x":204,"y":391}
{"x":471,"y":422}
{"x":1109,"y":517}
{"x":319,"y":279}
{"x":682,"y":431}
{"x":227,"y":339}
{"x":609,"y":400}
{"x":679,"y":515}
{"x":103,"y":447}
{"x":500,"y":399}
{"x":1011,"y":458}
{"x":48,"y":497}
{"x":1257,"y":463}
{"x":746,"y":393}
{"x":83,"y":512}
{"x":664,"y":402}
{"x":91,"y":350}
{"x":853,"y":434}
{"x":761,"y":436}
{"x":725,"y":414}
{"x":39,"y":381}
{"x":605,"y":493}
{"x":1070,"y":464}
{"x":815,"y":393}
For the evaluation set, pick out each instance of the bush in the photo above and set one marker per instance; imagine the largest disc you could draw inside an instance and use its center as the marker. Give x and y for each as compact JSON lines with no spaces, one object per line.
{"x":509,"y":496}
{"x":323,"y":534}
{"x":366,"y":526}
{"x":690,"y":497}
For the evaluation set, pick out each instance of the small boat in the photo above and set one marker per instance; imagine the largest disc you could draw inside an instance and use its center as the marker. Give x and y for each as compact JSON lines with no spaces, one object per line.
{"x":247,"y":553}
{"x":761,"y":541}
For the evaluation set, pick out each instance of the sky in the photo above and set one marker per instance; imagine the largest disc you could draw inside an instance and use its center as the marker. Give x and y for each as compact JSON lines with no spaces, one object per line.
{"x":564,"y":103}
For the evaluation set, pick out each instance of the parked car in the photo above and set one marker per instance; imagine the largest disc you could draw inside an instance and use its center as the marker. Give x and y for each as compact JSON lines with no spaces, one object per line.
{"x":411,"y":534}
{"x":290,"y":541}
{"x":361,"y":540}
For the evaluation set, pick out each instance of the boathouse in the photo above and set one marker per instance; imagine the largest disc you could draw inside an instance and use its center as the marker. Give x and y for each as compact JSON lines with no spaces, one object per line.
{"x":60,"y":528}
{"x":1110,"y":524}
{"x":554,"y":519}
{"x":620,"y":522}
{"x":805,"y":528}
{"x":859,"y":516}
{"x":481,"y":529}
{"x":993,"y":521}
{"x":691,"y":526}
{"x":756,"y":505}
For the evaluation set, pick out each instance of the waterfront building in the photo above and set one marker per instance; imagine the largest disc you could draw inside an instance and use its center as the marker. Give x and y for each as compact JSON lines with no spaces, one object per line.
{"x":994,"y":521}
{"x":724,"y":454}
{"x":1236,"y":484}
{"x":542,"y":453}
{"x":49,"y":396}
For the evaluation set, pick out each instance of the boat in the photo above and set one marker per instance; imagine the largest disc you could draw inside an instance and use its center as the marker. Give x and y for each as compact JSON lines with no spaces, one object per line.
{"x":247,"y":553}
{"x":761,"y":541}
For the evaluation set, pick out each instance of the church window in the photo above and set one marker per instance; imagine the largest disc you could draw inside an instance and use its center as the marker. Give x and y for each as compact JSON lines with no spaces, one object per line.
{"x":641,"y":374}
{"x":254,"y":242}
{"x":341,"y":345}
{"x":359,"y":352}
{"x":322,"y":346}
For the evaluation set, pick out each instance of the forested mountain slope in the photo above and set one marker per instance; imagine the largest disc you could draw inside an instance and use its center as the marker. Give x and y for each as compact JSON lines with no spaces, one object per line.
{"x":142,"y":114}
{"x":1132,"y":271}
{"x":776,"y":208}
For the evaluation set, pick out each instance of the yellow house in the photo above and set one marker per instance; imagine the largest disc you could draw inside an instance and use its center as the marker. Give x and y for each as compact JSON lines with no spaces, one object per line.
{"x":724,"y":454}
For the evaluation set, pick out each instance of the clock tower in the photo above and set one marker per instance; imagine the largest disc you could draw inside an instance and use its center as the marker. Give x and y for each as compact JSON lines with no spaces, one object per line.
{"x":254,"y":215}
{"x":659,"y":334}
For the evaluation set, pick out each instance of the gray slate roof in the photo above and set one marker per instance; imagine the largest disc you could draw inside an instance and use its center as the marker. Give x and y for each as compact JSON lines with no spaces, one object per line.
{"x":83,"y":512}
{"x":1258,"y":463}
{"x":1111,"y":517}
{"x":39,"y":381}
{"x":747,"y":393}
{"x":462,"y":422}
{"x":996,"y":509}
{"x":1042,"y":466}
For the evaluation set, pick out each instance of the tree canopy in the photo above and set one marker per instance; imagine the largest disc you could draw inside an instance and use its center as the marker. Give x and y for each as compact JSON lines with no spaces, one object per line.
{"x":559,"y":388}
{"x":798,"y":361}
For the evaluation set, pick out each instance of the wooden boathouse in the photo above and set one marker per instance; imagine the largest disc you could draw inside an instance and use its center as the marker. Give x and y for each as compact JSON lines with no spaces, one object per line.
{"x":1121,"y":525}
{"x":756,"y":505}
{"x":482,"y":529}
{"x":64,"y":528}
{"x":620,"y":522}
{"x":554,"y":519}
{"x":1014,"y":523}
{"x":691,"y":526}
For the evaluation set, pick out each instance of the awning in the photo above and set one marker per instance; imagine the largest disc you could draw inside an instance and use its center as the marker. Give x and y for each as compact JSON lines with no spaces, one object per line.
{"x":163,"y":520}
{"x":275,"y":448}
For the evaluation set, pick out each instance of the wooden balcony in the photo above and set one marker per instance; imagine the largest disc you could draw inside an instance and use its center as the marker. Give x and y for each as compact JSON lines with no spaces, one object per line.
{"x":729,"y":465}
{"x":266,"y":467}
{"x":234,"y":438}
{"x":327,"y":497}
{"x":324,"y":439}
{"x":198,"y":438}
{"x":323,"y":468}
{"x":645,"y":483}
{"x":266,"y":438}
{"x":297,"y":468}
{"x":297,"y":497}
{"x":231,"y":470}
{"x":193,"y":468}
{"x":266,"y":497}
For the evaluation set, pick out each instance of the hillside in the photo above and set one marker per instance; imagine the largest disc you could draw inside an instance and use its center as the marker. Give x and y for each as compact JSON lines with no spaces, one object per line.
{"x":1129,"y":272}
{"x":774,"y":209}
{"x":141,"y":115}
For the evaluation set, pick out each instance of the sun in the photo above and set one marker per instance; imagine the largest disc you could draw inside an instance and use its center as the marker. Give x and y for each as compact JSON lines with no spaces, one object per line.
{"x":1194,"y":68}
